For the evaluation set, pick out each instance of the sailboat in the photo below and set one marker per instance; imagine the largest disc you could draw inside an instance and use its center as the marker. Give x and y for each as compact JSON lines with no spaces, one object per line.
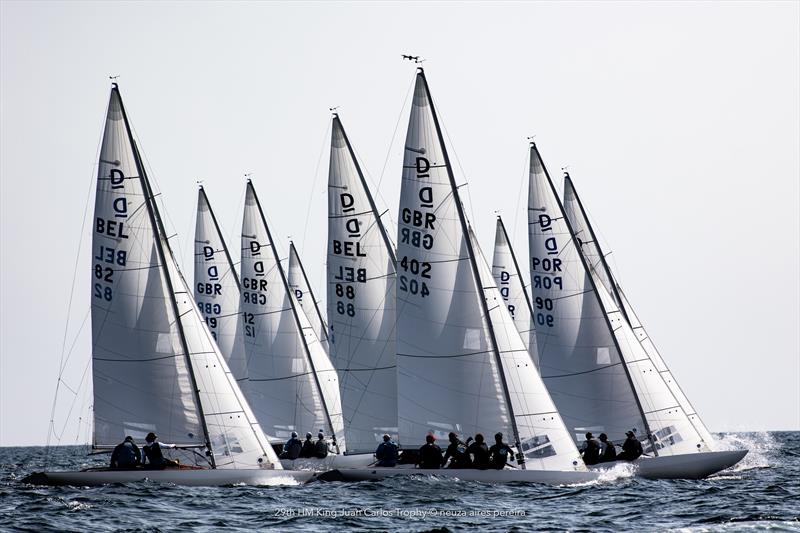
{"x":156,"y":367}
{"x":509,"y":280}
{"x":462,"y":365}
{"x":593,"y":363}
{"x":292,"y":384}
{"x":361,"y":303}
{"x":217,"y":288}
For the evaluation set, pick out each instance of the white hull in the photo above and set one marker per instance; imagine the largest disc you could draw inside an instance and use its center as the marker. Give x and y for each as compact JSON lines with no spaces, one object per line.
{"x":178,"y":477}
{"x":684,"y":466}
{"x":548,"y":477}
{"x":359,"y":460}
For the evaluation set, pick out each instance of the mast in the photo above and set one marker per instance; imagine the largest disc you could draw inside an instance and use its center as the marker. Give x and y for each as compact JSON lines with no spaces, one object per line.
{"x":372,"y":206}
{"x":219,"y":232}
{"x":516,"y":265}
{"x":535,"y":151}
{"x":310,"y":290}
{"x":615,"y":292}
{"x":296,"y":318}
{"x":475,"y":271}
{"x":158,"y":229}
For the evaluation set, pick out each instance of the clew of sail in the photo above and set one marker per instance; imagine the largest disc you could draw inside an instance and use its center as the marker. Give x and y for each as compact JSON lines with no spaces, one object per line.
{"x":304,"y":296}
{"x":590,"y":247}
{"x":361,"y":301}
{"x":543,"y":438}
{"x":282,"y":385}
{"x":155,"y":366}
{"x":508,"y":278}
{"x":216,"y":288}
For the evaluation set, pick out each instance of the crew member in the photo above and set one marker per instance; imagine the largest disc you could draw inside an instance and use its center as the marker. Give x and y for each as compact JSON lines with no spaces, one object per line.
{"x":499,"y":453}
{"x":386,"y":454}
{"x":321,"y":447}
{"x":307,"y":451}
{"x":608,"y":452}
{"x":591,"y":450}
{"x":631,"y":448}
{"x":152,"y":453}
{"x":291,"y":450}
{"x":479,"y":452}
{"x":430,"y":455}
{"x":126,"y":455}
{"x":457,"y":453}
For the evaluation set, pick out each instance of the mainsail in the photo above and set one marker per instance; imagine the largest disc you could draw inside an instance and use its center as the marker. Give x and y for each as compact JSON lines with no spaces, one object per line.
{"x":156,"y":366}
{"x":594,"y":366}
{"x":216,"y":288}
{"x":300,"y":286}
{"x":508,"y":278}
{"x":590,"y":247}
{"x":286,"y":385}
{"x":361,"y":301}
{"x":462,"y":365}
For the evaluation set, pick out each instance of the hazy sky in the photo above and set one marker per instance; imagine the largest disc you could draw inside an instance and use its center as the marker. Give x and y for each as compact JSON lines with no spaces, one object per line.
{"x":680,"y":124}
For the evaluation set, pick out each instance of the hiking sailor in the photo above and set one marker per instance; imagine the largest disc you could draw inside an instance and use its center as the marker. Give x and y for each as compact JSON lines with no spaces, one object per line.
{"x":307,"y":451}
{"x":631,"y":448}
{"x":591,"y":450}
{"x":386,"y":454}
{"x":479,"y":452}
{"x":430,"y":455}
{"x":291,"y":450}
{"x":607,"y":450}
{"x":126,"y":455}
{"x":152,"y":453}
{"x":499,"y":453}
{"x":321,"y":446}
{"x":457,"y":453}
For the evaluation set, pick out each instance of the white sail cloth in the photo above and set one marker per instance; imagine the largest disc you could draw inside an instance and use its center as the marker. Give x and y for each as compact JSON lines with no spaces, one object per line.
{"x":594,"y":367}
{"x":508,"y":278}
{"x":361,"y":302}
{"x":155,"y":365}
{"x":216,"y":288}
{"x":304,"y":296}
{"x":282,"y":385}
{"x":595,"y":259}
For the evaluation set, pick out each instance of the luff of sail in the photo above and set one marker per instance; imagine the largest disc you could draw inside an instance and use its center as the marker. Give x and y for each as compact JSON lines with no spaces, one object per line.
{"x":283,"y":387}
{"x":597,"y":372}
{"x":216,"y":288}
{"x":298,"y":282}
{"x":155,"y":366}
{"x":361,"y":301}
{"x":590,"y":247}
{"x":508,"y":278}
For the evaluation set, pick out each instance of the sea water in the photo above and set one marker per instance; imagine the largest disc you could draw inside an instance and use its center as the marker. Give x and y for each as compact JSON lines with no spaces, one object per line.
{"x":760,"y":493}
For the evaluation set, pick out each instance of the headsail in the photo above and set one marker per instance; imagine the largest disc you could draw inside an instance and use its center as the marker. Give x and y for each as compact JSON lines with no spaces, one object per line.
{"x":597,"y":372}
{"x":301,"y":287}
{"x":155,"y":365}
{"x":361,"y":301}
{"x":216,"y":288}
{"x":284,"y":386}
{"x":508,"y":278}
{"x":584,"y":233}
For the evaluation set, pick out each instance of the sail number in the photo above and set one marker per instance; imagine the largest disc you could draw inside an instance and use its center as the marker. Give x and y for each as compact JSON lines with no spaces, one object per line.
{"x":550,"y":277}
{"x":505,"y":281}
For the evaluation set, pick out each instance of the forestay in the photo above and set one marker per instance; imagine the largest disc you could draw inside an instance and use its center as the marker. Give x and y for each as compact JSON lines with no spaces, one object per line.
{"x":216,"y":288}
{"x":282,"y":386}
{"x":448,"y":379}
{"x":586,"y":238}
{"x":361,"y":301}
{"x":301,"y":288}
{"x":508,"y":278}
{"x":155,"y":365}
{"x":587,"y":348}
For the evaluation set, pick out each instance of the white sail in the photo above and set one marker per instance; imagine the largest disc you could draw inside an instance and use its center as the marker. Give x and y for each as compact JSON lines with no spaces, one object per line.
{"x":216,"y":288}
{"x":448,"y":379}
{"x":588,"y":351}
{"x":361,"y":301}
{"x":509,"y":281}
{"x":543,"y":438}
{"x":282,"y":386}
{"x":578,"y":358}
{"x":155,"y":366}
{"x":298,"y":282}
{"x":593,"y":253}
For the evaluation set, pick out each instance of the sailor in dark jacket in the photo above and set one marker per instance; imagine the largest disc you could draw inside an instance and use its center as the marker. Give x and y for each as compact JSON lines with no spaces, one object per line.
{"x":126,"y":455}
{"x":386,"y":454}
{"x":457,"y":453}
{"x":430,"y":455}
{"x":308,"y":447}
{"x":591,"y":450}
{"x":608,"y":452}
{"x":291,"y":450}
{"x":631,"y":448}
{"x":321,"y":446}
{"x":152,"y":453}
{"x":499,"y":453}
{"x":479,"y":452}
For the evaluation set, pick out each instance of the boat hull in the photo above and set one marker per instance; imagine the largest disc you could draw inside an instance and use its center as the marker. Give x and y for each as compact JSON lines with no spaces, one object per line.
{"x":685,"y":466}
{"x":176,"y":476}
{"x":548,"y":477}
{"x":360,"y":460}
